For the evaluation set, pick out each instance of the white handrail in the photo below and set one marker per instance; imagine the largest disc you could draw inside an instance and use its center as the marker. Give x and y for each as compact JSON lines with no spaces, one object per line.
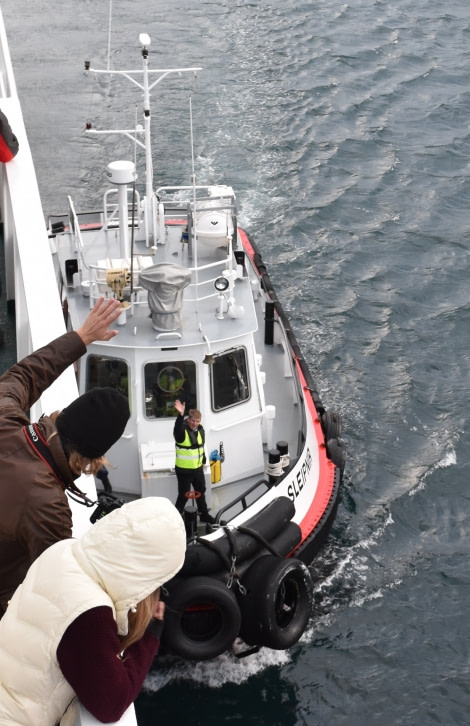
{"x":30,"y":277}
{"x":84,"y":718}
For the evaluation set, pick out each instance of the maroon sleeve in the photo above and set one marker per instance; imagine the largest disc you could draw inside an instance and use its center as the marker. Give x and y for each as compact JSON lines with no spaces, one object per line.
{"x":104,"y":683}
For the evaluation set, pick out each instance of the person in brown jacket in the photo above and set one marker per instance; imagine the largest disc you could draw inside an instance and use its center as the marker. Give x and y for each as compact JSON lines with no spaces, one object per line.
{"x":34,"y":509}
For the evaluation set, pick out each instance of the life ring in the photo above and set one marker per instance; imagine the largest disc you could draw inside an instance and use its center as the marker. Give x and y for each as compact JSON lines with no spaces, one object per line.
{"x":170,"y":379}
{"x":202,"y":618}
{"x":278,"y":602}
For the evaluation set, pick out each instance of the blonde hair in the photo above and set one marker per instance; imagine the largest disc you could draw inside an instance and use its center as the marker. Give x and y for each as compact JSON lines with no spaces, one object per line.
{"x":140,"y":619}
{"x":82,"y":464}
{"x":194,"y":413}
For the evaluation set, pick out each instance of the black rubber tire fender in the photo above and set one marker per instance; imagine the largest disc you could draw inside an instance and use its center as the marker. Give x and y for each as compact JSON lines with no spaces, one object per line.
{"x":278,"y":602}
{"x":332,"y":425}
{"x":336,"y":451}
{"x":202,"y":618}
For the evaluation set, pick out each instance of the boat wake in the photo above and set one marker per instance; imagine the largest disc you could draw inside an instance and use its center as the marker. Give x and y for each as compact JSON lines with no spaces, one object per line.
{"x":226,"y":668}
{"x":348,"y":575}
{"x":342,"y":577}
{"x":448,"y":459}
{"x":385,"y":554}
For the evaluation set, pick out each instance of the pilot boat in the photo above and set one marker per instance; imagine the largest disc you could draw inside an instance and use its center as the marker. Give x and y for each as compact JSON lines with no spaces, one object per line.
{"x":201,"y":323}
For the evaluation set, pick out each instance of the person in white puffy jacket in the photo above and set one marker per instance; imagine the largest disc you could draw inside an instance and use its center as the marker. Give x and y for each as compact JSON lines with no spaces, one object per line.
{"x":86,"y":621}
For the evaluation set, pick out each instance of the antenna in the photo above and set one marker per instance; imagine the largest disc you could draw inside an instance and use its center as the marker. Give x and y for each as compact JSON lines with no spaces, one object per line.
{"x":133,"y":214}
{"x":193,"y":181}
{"x":146,"y":86}
{"x":109,"y":33}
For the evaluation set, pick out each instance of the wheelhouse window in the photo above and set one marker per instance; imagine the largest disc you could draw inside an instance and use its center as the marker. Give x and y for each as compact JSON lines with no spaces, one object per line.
{"x":229,"y":379}
{"x":104,"y":371}
{"x":167,"y":382}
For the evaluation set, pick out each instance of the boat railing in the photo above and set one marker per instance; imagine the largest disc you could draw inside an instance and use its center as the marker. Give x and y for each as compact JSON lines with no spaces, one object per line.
{"x":84,"y":718}
{"x":192,"y":188}
{"x":184,"y":205}
{"x":3,"y":85}
{"x":7,"y":78}
{"x":181,"y":207}
{"x":112,"y":276}
{"x":74,"y":227}
{"x":23,"y":221}
{"x":99,"y":280}
{"x":30,"y":281}
{"x":242,"y":500}
{"x":196,"y":284}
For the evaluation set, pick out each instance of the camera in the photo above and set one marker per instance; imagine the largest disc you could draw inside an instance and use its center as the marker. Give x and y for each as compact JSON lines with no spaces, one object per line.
{"x":106,"y":504}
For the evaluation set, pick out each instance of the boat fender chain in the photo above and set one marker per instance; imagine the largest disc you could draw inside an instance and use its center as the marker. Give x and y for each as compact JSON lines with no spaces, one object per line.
{"x":229,"y":562}
{"x":233,"y":575}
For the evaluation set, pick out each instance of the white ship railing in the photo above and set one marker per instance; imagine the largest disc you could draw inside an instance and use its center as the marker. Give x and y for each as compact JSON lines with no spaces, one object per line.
{"x":31,"y":280}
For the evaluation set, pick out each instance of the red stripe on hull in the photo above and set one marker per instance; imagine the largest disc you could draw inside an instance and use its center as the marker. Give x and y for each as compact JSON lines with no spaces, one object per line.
{"x":326,"y":475}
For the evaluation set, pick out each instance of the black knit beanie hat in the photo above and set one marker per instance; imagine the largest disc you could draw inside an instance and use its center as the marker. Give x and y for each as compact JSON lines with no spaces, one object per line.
{"x":94,"y":421}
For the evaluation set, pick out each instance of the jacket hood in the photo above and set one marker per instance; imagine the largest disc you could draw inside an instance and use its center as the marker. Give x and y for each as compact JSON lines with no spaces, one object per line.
{"x":133,"y":551}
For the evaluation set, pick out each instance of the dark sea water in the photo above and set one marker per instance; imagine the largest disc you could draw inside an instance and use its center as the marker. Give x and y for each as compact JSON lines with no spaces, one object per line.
{"x":345,"y":130}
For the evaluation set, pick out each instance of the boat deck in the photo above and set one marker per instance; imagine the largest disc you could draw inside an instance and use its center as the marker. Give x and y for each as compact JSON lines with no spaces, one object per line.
{"x":203,"y":330}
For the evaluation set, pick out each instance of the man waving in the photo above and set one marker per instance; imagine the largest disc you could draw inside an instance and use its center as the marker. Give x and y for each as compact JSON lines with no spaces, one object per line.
{"x":190,"y":459}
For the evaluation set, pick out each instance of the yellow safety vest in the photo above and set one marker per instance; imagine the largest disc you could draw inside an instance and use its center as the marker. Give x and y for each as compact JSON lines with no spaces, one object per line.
{"x":188,"y":455}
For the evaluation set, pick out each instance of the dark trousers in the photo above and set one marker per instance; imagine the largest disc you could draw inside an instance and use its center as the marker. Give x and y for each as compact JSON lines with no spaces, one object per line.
{"x":185,"y":478}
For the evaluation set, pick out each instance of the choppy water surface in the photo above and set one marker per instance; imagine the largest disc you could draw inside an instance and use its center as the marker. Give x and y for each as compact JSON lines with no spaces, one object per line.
{"x":344,"y":129}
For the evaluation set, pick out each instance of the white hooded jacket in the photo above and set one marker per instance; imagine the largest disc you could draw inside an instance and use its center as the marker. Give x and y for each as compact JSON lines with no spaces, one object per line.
{"x":118,"y":562}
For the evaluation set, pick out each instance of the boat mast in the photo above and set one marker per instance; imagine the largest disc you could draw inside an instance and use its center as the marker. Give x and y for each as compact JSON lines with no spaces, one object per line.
{"x":146,"y":86}
{"x":149,"y":216}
